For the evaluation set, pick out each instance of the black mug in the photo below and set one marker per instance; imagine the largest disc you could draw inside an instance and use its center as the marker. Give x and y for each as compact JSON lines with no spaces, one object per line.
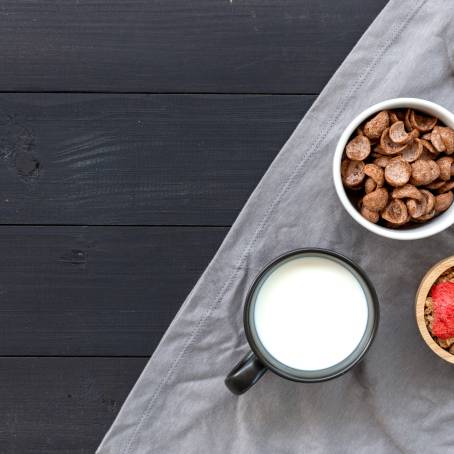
{"x":252,"y":367}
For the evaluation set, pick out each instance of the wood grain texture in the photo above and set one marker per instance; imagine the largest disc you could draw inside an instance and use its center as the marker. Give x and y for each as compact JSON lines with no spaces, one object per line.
{"x":61,"y":405}
{"x":111,"y":161}
{"x":137,"y":159}
{"x":247,"y":46}
{"x":96,"y":290}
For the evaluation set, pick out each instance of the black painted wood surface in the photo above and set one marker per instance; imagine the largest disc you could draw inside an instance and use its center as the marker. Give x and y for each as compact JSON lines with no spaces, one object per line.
{"x":137,"y":159}
{"x":216,"y":46}
{"x":84,"y":291}
{"x":131,"y":134}
{"x":61,"y":405}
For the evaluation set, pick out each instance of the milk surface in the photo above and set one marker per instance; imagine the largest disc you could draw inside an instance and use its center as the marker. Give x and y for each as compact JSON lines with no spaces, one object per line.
{"x":310,"y":313}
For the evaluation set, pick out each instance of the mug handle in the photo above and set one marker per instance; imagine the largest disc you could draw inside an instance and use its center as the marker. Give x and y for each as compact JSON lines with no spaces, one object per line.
{"x":245,"y":374}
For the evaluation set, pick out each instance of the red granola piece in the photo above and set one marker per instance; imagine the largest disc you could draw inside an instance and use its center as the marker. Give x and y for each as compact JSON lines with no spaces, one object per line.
{"x":443,"y":310}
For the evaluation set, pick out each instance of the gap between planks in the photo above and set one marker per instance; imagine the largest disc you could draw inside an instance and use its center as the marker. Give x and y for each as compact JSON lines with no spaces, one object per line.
{"x":153,"y":93}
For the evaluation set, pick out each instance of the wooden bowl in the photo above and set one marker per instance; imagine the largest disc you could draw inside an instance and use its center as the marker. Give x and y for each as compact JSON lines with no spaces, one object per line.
{"x":424,"y":288}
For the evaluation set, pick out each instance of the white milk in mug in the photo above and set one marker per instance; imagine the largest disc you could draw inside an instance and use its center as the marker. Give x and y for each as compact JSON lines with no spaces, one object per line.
{"x":310,"y":313}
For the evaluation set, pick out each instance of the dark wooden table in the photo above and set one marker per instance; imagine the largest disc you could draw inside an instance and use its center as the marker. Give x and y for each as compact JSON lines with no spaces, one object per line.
{"x":131,"y":134}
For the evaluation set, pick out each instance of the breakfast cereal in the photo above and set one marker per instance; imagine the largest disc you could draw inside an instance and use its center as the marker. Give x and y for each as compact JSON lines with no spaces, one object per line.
{"x":397,"y":168}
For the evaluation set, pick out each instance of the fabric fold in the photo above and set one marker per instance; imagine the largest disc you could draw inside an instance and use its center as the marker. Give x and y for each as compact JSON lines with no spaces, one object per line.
{"x":398,"y":399}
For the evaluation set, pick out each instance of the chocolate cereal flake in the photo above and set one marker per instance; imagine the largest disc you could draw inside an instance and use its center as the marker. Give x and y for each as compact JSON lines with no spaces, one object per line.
{"x":397,"y":168}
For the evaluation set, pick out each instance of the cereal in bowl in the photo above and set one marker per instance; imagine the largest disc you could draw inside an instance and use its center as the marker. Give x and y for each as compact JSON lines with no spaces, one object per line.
{"x":397,"y":168}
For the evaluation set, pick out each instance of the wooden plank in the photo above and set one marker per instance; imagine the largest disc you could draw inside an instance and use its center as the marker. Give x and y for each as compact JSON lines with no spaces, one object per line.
{"x":85,"y":291}
{"x":137,"y":159}
{"x":247,"y":46}
{"x":61,"y":405}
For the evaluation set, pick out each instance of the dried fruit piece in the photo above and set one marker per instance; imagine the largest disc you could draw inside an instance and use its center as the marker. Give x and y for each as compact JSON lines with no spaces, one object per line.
{"x":444,"y":164}
{"x":443,"y":309}
{"x":446,"y":187}
{"x":376,"y":173}
{"x":388,"y":146}
{"x":430,"y":200}
{"x":375,"y":127}
{"x":408,"y":191}
{"x":437,"y":141}
{"x":443,"y":201}
{"x":447,"y":136}
{"x":422,"y":122}
{"x":412,"y":151}
{"x":382,"y":161}
{"x":358,"y":148}
{"x":422,"y":172}
{"x":397,"y":172}
{"x":439,"y":311}
{"x":396,"y":212}
{"x":372,"y":216}
{"x":370,"y":185}
{"x":376,"y":200}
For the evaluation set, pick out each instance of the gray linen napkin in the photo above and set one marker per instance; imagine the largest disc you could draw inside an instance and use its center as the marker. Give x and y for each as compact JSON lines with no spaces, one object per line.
{"x":401,"y":397}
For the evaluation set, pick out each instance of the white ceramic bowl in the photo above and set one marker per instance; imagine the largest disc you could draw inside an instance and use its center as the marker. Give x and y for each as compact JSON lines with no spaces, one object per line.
{"x":429,"y":228}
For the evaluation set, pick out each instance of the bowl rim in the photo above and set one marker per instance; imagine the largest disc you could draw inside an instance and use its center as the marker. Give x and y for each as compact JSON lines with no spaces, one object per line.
{"x":423,"y":290}
{"x":441,"y":222}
